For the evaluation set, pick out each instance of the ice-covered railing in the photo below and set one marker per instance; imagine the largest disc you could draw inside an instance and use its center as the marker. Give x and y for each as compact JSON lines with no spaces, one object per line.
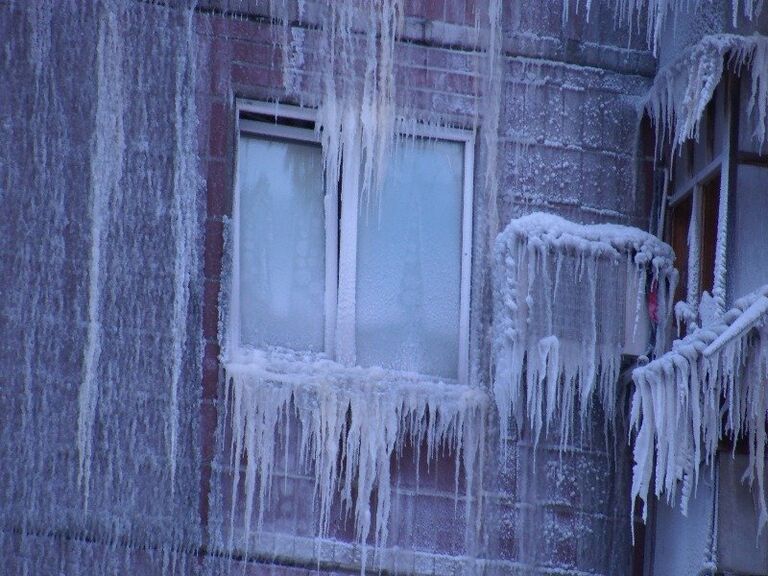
{"x":683,"y":89}
{"x":562,"y":315}
{"x":351,"y":422}
{"x":711,"y":385}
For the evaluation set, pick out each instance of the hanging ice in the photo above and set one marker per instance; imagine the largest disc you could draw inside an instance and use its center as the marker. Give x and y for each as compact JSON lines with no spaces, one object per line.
{"x":351,"y":423}
{"x":711,"y":385}
{"x":683,"y":89}
{"x":562,"y":317}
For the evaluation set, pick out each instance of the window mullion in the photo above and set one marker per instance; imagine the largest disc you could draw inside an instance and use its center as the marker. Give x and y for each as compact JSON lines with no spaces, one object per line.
{"x":346,"y":308}
{"x":331,"y":264}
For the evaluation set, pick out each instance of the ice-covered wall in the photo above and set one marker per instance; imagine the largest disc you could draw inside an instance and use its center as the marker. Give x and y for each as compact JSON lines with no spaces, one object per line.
{"x":101,"y":284}
{"x":104,"y":297}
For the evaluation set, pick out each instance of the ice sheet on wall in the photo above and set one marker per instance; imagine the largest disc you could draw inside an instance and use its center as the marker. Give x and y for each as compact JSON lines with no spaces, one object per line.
{"x":101,"y":243}
{"x":562,"y":316}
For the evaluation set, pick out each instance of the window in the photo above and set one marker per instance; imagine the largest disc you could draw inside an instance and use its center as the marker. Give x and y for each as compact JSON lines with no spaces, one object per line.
{"x":725,"y":158}
{"x":380,"y":281}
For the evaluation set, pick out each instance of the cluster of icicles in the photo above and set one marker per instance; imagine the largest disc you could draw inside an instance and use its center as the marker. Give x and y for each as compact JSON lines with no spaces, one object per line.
{"x":560,"y":312}
{"x":683,"y":89}
{"x":711,"y":385}
{"x":351,"y":423}
{"x":657,"y":12}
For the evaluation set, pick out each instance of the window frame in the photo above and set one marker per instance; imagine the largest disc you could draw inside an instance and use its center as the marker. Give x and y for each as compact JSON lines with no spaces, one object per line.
{"x":341,"y":241}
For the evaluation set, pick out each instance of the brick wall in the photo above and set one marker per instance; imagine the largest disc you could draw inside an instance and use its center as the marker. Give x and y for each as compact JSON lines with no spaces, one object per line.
{"x":567,"y":137}
{"x":567,"y":145}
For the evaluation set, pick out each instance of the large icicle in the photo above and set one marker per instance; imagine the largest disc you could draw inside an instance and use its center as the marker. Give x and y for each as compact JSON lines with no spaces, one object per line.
{"x":561,"y":316}
{"x":711,"y":385}
{"x":683,"y":89}
{"x":351,"y":422}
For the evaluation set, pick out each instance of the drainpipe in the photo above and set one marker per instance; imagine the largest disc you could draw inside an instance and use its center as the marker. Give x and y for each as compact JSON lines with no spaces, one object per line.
{"x":710,"y":555}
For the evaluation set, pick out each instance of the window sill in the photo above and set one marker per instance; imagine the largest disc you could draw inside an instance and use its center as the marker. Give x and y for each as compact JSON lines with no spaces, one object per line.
{"x":315,"y":371}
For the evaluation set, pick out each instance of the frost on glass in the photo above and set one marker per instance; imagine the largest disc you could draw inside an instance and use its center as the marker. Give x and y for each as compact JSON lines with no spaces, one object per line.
{"x":409,"y":262}
{"x":282,"y":244}
{"x":748,"y":261}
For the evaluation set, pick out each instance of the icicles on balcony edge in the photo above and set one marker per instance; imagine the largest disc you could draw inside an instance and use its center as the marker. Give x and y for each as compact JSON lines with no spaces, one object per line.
{"x":709,"y":387}
{"x":351,"y":423}
{"x":547,"y":365}
{"x":683,"y":89}
{"x":630,"y":12}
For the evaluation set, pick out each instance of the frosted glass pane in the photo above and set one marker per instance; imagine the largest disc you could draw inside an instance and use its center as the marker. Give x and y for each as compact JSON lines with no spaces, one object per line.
{"x":282,"y":244}
{"x":748,"y":244}
{"x":409,"y":262}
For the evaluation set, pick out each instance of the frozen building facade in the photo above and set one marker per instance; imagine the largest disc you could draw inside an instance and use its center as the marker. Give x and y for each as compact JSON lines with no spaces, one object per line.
{"x":304,"y":286}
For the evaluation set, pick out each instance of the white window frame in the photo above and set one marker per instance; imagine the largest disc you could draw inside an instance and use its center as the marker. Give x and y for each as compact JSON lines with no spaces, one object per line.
{"x":341,"y":230}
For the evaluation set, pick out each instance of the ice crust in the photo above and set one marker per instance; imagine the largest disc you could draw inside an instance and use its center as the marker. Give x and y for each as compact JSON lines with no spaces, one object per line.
{"x":559,"y":310}
{"x":710,"y":386}
{"x":352,"y":421}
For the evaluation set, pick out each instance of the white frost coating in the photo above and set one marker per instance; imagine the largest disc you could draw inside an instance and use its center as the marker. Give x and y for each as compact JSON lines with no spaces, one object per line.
{"x":106,"y":172}
{"x":559,"y":310}
{"x":352,"y":421}
{"x":711,"y":385}
{"x":683,"y":89}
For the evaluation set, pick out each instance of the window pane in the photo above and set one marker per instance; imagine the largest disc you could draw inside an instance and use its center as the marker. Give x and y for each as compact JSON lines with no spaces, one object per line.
{"x":748,"y":243}
{"x":282,"y":244}
{"x":409,"y":262}
{"x":709,"y":214}
{"x":679,"y":221}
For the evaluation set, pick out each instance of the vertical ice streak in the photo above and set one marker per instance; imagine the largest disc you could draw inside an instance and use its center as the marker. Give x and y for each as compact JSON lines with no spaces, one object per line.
{"x":106,"y":172}
{"x":184,"y":222}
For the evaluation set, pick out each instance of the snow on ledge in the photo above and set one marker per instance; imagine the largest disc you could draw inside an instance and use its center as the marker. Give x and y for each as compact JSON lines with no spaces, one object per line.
{"x":682,"y":90}
{"x":711,"y":385}
{"x":561,"y":315}
{"x":368,"y":413}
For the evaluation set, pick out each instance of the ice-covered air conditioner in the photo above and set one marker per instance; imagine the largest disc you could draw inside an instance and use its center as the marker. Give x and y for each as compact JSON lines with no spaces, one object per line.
{"x":569,"y":301}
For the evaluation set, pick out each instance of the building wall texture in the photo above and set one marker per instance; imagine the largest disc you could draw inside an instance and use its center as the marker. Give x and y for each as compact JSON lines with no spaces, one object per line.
{"x":568,"y":143}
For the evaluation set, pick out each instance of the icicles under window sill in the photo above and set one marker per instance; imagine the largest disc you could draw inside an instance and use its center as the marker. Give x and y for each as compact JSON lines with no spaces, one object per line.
{"x":711,"y":385}
{"x":562,"y":316}
{"x":350,"y":423}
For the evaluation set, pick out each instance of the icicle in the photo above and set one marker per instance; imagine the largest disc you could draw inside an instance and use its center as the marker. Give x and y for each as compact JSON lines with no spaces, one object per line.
{"x":386,"y":412}
{"x":562,"y":338}
{"x":678,"y":410}
{"x":683,"y":89}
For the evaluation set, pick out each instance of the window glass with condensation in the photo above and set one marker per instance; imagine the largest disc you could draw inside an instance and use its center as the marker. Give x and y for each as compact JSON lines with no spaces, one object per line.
{"x":282,"y":243}
{"x":409,"y":261}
